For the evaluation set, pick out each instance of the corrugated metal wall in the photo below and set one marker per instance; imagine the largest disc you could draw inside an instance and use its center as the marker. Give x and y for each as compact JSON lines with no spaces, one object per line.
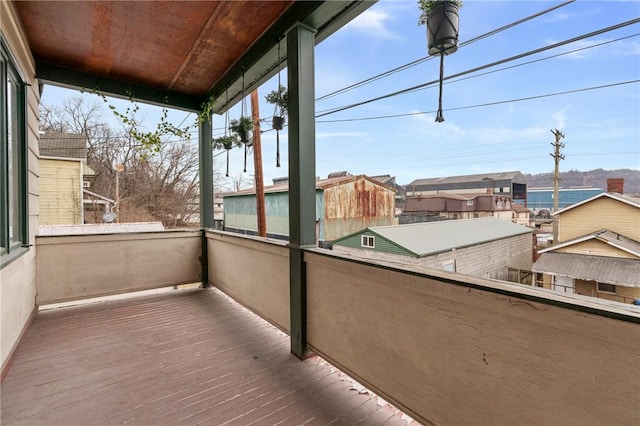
{"x":357,"y":205}
{"x":340,"y":210}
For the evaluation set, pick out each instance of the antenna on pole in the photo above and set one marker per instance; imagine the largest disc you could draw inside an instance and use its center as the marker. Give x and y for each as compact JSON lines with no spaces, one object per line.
{"x":557,"y":156}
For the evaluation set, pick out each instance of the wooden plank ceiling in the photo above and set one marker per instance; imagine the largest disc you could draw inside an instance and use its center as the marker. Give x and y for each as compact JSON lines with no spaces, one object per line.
{"x":180,"y":52}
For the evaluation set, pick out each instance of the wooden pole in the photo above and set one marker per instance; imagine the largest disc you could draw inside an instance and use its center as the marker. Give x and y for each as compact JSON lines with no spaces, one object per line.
{"x":257,"y":161}
{"x":556,"y":179}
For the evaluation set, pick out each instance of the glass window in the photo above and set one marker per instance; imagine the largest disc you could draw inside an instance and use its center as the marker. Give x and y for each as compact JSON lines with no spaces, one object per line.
{"x":606,"y":288}
{"x":368,"y":241}
{"x":13,"y":164}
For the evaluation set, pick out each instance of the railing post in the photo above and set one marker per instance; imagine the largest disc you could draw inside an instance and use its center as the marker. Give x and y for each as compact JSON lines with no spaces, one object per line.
{"x":302,"y":175}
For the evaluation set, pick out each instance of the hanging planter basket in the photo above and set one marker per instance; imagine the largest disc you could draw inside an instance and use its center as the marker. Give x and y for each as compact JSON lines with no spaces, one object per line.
{"x":277,"y":122}
{"x":442,"y":27}
{"x":242,"y":127}
{"x":441,"y":17}
{"x":280,"y":99}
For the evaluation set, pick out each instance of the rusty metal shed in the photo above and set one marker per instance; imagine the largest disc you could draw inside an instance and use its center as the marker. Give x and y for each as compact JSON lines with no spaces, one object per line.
{"x":343,"y":205}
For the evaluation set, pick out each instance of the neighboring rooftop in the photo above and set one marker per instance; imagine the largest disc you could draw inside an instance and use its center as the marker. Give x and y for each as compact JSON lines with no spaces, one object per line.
{"x":427,"y":238}
{"x":63,"y":145}
{"x":606,"y":236}
{"x":610,"y":270}
{"x":320,"y":184}
{"x":99,"y":228}
{"x":514,"y":176}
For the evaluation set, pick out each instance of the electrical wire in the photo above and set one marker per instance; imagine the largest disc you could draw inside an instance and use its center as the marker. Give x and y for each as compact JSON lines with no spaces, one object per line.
{"x":482,"y":67}
{"x":528,"y":98}
{"x":426,"y":58}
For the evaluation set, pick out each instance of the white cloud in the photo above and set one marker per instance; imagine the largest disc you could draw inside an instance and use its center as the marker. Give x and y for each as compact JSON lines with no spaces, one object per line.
{"x":333,"y":135}
{"x":373,"y":23}
{"x":560,"y":117}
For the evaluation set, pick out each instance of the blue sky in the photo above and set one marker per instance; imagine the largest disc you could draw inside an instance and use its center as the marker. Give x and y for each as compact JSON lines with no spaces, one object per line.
{"x":602,"y":126}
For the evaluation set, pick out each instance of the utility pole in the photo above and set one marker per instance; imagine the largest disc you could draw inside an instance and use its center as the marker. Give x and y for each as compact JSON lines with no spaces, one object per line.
{"x":556,"y":178}
{"x":257,"y":163}
{"x":119,"y":169}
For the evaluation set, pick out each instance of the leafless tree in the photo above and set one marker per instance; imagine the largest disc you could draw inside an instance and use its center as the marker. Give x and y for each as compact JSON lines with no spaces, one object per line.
{"x":154,"y":186}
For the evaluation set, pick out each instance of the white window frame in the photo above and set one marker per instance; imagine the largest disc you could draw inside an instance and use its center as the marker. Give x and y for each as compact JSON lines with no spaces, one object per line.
{"x":368,"y":241}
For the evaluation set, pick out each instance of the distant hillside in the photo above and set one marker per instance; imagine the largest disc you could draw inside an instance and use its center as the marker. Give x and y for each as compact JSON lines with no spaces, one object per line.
{"x":595,"y":178}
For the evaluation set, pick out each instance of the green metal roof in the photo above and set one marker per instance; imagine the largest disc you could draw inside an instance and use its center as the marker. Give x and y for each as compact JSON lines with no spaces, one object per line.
{"x":429,"y":238}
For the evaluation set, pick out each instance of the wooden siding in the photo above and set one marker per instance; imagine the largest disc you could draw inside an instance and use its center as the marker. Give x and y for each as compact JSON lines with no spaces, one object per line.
{"x":601,"y":213}
{"x":18,"y":289}
{"x":382,"y":245}
{"x":83,"y":266}
{"x":263,"y":286}
{"x":623,"y":294}
{"x":60,"y":196}
{"x":595,"y":248}
{"x":584,"y":287}
{"x":628,"y":293}
{"x":460,"y":352}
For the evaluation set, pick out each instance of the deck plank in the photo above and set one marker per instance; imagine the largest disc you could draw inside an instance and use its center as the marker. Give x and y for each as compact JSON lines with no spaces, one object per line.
{"x":187,"y":358}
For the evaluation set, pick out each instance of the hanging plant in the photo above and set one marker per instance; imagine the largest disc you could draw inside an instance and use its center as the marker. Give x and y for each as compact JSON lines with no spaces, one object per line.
{"x":242,"y":127}
{"x":279,"y":98}
{"x":227,"y":142}
{"x":442,"y":20}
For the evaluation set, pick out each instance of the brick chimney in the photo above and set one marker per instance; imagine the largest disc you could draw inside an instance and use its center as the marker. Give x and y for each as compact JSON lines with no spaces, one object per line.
{"x":615,"y":185}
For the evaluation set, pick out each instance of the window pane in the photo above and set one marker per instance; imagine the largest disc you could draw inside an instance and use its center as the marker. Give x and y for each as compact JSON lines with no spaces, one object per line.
{"x":13,"y":160}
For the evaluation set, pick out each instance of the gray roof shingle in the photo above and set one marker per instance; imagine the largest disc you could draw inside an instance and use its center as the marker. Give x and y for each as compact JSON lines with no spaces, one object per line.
{"x":609,"y":270}
{"x":64,"y":145}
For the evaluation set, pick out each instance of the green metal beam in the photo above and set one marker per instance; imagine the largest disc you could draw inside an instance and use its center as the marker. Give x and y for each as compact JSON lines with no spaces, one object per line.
{"x":302,"y":174}
{"x":205,"y":132}
{"x":60,"y":76}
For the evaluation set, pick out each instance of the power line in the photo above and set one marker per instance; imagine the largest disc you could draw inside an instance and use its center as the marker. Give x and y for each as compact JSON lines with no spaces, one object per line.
{"x":528,"y":98}
{"x":426,"y":58}
{"x":489,"y":65}
{"x":510,"y":160}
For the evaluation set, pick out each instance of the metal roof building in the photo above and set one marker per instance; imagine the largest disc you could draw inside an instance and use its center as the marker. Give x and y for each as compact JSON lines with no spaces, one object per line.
{"x":512,"y":184}
{"x":481,"y":247}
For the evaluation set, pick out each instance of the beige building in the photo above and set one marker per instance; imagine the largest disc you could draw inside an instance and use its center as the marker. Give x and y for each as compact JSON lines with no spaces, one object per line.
{"x":62,"y":166}
{"x":598,"y":253}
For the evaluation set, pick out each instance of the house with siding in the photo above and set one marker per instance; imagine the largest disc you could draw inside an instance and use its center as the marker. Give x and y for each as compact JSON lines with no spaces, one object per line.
{"x":598,"y":253}
{"x":62,"y":166}
{"x":344,"y":204}
{"x":426,"y":208}
{"x":485,"y":247}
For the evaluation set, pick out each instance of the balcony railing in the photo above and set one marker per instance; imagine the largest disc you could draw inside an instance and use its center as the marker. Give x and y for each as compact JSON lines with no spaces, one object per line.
{"x":446,"y":348}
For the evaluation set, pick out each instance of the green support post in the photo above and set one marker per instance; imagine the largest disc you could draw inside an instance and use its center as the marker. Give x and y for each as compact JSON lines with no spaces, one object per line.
{"x":205,"y":133}
{"x":302,"y":174}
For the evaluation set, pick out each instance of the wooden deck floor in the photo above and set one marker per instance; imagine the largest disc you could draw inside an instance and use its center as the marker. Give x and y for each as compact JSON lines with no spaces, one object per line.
{"x":184,"y":358}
